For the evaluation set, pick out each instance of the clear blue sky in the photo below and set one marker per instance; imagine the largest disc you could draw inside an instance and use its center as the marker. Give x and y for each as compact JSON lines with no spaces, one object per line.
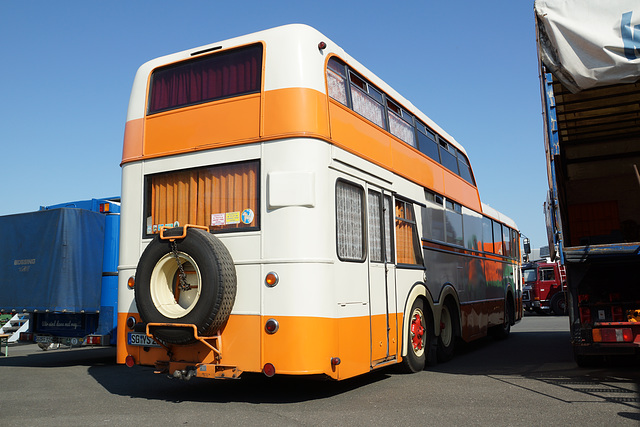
{"x":68,"y":67}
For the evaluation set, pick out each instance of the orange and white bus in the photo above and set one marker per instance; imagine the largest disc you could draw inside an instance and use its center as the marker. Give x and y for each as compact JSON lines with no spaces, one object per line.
{"x":286,"y":211}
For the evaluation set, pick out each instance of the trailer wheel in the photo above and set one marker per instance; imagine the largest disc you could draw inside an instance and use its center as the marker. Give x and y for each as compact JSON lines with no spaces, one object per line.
{"x":205,"y":299}
{"x":418,"y":339}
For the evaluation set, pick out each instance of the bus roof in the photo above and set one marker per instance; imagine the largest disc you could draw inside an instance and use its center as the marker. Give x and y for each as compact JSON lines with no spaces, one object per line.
{"x":285,"y":44}
{"x":489,"y":211}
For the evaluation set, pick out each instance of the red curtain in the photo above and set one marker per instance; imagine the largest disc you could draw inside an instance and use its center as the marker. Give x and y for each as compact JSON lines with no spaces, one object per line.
{"x":216,"y":76}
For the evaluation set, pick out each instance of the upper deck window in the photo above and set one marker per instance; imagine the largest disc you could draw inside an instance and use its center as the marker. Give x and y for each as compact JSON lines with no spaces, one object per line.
{"x":336,"y":79}
{"x":367,"y":100}
{"x":354,"y":91}
{"x":208,"y":78}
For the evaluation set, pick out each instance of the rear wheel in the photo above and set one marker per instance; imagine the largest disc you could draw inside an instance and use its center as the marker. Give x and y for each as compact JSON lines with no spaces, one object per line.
{"x":447,"y":339}
{"x":417,"y":336}
{"x":502,"y":331}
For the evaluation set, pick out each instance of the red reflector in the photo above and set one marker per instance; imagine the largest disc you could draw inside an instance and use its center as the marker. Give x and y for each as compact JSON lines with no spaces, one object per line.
{"x":269,"y":370}
{"x":271,"y":326}
{"x":585,"y":315}
{"x":129,"y":361}
{"x":616,"y":314}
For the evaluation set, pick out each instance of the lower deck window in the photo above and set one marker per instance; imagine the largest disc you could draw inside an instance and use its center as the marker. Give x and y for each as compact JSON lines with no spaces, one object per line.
{"x":350,"y":221}
{"x":223,"y":198}
{"x":407,"y":242}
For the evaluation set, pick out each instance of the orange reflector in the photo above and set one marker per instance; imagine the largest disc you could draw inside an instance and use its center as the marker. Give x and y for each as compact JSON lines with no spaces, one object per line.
{"x":129,"y":361}
{"x":269,"y":370}
{"x":131,"y":283}
{"x":271,"y":279}
{"x":131,"y":322}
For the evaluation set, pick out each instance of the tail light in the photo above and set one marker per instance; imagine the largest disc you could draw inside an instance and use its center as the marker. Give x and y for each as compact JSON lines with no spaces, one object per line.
{"x":104,"y":207}
{"x":26,"y":336}
{"x":94,"y":340}
{"x":612,"y":335}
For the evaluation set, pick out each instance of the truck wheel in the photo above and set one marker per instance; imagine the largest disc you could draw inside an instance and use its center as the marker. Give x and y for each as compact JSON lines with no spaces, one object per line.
{"x":417,"y":336}
{"x":587,"y":360}
{"x":205,"y":300}
{"x":559,"y":304}
{"x":447,"y":339}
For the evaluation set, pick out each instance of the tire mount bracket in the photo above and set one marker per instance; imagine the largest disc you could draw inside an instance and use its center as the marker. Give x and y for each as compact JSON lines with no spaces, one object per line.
{"x":186,"y":370}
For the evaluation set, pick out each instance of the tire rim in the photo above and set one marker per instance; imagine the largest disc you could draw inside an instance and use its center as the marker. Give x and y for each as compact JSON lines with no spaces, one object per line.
{"x":416,"y":331}
{"x":167,"y":297}
{"x":446,"y":330}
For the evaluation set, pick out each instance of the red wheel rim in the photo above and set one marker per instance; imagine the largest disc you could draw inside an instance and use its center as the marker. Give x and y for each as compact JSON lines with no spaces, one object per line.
{"x":417,"y":331}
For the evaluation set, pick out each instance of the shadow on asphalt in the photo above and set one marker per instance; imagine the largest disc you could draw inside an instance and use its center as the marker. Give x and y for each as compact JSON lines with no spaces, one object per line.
{"x":141,"y":382}
{"x":544,"y":361}
{"x":530,"y":360}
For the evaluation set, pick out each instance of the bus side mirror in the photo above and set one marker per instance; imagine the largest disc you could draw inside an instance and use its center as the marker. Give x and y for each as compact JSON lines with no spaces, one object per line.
{"x":527,"y":246}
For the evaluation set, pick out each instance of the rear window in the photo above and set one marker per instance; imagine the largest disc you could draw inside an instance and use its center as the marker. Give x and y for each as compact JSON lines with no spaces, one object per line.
{"x":216,"y":76}
{"x":223,"y":198}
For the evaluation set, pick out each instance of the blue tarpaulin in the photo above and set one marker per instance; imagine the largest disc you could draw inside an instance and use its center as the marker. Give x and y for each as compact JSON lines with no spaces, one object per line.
{"x":51,"y":260}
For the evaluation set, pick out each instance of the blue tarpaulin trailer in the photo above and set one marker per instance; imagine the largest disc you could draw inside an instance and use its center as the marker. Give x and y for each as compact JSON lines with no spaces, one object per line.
{"x":59,"y":265}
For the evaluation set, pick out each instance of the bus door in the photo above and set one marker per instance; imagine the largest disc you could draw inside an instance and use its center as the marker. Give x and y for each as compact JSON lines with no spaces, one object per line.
{"x":382,"y":294}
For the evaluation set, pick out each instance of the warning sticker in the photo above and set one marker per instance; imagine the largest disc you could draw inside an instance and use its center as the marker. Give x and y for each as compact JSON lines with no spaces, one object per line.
{"x":218,"y":219}
{"x":233,"y":218}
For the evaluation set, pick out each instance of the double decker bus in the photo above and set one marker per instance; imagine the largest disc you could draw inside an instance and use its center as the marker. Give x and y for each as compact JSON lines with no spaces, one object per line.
{"x":286,"y":211}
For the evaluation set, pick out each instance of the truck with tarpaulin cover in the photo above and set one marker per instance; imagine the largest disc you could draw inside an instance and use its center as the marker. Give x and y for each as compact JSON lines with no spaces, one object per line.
{"x":589,"y":56}
{"x":59,"y":265}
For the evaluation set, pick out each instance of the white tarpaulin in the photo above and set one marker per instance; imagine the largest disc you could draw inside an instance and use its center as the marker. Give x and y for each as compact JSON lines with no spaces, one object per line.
{"x":587,"y":43}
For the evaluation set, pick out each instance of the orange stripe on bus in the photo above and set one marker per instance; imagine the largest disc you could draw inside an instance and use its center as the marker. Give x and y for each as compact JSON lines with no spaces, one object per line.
{"x":295,"y":111}
{"x":302,"y":345}
{"x":200,"y":127}
{"x":132,"y":147}
{"x":287,"y":113}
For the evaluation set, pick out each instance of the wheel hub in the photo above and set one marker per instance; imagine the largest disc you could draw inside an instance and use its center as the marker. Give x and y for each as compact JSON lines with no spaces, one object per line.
{"x":417,"y":332}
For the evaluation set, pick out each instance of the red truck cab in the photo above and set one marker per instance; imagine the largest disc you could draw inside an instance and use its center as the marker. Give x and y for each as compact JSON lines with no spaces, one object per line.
{"x":544,"y":287}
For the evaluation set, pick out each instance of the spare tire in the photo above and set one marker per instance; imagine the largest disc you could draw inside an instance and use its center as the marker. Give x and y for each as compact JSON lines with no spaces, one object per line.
{"x":206,"y":300}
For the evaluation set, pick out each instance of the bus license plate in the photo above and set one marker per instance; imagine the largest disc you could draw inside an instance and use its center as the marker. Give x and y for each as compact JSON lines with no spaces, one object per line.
{"x":141,"y":340}
{"x":46,"y":339}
